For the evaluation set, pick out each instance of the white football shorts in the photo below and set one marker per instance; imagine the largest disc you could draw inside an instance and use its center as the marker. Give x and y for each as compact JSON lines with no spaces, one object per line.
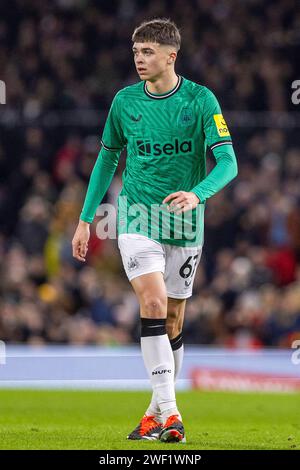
{"x":142,"y":255}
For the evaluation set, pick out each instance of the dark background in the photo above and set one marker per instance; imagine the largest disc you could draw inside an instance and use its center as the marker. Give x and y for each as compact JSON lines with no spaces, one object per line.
{"x":62,"y":62}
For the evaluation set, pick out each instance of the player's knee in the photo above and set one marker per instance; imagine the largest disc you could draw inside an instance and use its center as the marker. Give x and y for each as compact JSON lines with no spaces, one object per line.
{"x":173,"y":314}
{"x":171,"y":323}
{"x":172,"y":329}
{"x":180,"y":324}
{"x":154,"y":307}
{"x":174,"y":321}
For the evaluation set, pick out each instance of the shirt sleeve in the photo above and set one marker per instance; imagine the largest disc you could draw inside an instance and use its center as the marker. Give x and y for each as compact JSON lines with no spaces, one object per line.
{"x":112,"y":142}
{"x":224,"y":171}
{"x":113,"y":137}
{"x":100,"y":180}
{"x":217,"y":138}
{"x":214,"y":125}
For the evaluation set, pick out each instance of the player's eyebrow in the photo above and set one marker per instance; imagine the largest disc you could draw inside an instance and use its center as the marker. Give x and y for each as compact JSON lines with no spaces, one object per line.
{"x":143,"y":49}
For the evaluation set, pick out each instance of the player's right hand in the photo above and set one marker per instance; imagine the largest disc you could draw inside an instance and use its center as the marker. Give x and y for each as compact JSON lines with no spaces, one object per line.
{"x":80,"y":240}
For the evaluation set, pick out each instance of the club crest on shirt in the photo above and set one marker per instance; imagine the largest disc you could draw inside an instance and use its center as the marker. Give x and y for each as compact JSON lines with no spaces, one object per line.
{"x":186,"y":117}
{"x":132,"y":264}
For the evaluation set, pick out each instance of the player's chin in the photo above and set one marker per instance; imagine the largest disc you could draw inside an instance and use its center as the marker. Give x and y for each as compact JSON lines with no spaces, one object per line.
{"x":143,"y":73}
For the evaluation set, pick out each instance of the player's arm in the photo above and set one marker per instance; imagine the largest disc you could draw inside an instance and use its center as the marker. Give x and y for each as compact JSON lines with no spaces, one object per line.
{"x":112,"y":142}
{"x":218,"y":139}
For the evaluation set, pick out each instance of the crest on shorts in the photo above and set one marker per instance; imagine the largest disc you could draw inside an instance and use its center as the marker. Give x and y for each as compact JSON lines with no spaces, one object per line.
{"x":132,"y":264}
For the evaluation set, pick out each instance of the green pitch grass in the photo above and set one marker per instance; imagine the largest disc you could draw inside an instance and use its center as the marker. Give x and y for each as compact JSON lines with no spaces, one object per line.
{"x":101,"y":420}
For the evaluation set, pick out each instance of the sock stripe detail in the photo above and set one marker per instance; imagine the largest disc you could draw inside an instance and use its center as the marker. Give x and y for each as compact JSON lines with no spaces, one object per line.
{"x":153,"y":327}
{"x":177,"y":342}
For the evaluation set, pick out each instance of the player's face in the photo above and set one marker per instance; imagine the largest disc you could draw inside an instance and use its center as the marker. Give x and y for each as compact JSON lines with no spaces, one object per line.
{"x":152,"y":60}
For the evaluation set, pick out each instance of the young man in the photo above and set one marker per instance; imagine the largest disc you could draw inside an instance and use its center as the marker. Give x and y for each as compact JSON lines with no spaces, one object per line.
{"x":166,"y":122}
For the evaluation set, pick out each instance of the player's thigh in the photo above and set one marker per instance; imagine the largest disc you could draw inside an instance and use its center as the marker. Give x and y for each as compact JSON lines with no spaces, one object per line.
{"x":152,"y":295}
{"x":180,"y":271}
{"x":144,"y":263}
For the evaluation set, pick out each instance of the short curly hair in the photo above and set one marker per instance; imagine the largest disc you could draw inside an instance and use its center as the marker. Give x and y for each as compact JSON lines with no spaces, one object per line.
{"x":159,"y":30}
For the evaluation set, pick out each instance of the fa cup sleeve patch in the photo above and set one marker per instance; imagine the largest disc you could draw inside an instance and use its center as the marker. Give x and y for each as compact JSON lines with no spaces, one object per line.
{"x":221,"y":125}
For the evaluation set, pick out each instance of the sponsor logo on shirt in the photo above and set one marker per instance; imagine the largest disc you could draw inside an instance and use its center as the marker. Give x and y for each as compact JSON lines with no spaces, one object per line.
{"x":137,"y":118}
{"x":147,"y":147}
{"x":221,"y":125}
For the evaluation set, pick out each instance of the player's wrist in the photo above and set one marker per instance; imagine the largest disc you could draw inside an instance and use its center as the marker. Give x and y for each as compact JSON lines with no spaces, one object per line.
{"x":83,"y":223}
{"x":197,"y":197}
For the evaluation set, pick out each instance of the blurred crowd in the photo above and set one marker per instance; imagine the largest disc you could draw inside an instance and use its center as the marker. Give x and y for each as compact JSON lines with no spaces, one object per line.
{"x":73,"y":55}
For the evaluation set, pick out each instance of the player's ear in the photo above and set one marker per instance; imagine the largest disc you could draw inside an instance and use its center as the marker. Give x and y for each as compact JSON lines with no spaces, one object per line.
{"x":172,"y":58}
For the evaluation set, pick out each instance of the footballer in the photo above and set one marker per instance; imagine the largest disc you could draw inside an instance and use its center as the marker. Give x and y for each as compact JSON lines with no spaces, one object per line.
{"x":166,"y":122}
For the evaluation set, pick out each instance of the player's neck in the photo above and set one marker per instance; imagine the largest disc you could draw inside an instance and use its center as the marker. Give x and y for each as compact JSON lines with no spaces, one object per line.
{"x":163,"y":84}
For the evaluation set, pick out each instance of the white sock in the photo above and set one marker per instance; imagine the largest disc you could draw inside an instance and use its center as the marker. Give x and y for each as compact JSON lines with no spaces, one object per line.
{"x":153,"y":409}
{"x":159,"y":361}
{"x":178,"y":358}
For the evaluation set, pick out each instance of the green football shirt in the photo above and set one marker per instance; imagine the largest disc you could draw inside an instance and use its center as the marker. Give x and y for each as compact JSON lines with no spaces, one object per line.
{"x":166,"y":136}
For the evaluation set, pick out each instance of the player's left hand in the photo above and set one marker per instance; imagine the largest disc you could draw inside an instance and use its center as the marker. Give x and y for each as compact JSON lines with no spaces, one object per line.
{"x":181,"y":201}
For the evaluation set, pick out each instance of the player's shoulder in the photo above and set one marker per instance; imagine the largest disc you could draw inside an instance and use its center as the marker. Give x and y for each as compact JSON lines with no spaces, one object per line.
{"x":129,"y":91}
{"x":200,"y":91}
